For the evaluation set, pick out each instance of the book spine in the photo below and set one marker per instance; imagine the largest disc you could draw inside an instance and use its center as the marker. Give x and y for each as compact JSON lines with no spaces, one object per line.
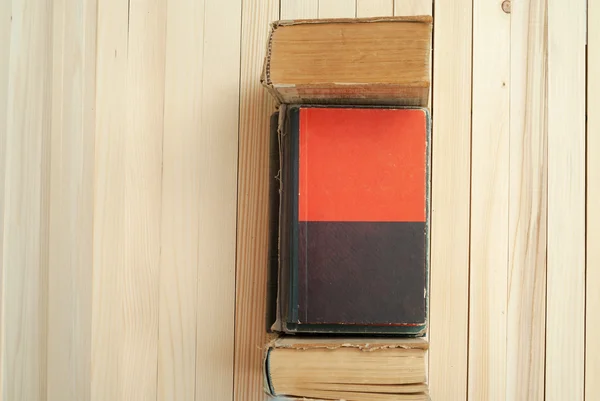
{"x":286,"y":197}
{"x":273,"y":247}
{"x":267,"y":383}
{"x":427,"y":221}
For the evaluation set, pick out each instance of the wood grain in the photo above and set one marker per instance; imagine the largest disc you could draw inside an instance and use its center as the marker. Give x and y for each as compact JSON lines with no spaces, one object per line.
{"x":566,"y":201}
{"x":413,"y":7}
{"x":143,"y":177}
{"x":26,"y":196}
{"x":299,"y":9}
{"x":118,"y":228}
{"x":218,"y":195}
{"x":449,"y":272}
{"x":374,"y":8}
{"x":489,"y":202}
{"x":592,"y":350}
{"x":526,"y":317}
{"x":109,"y":201}
{"x":5,"y":45}
{"x":337,"y":8}
{"x":129,"y":127}
{"x":71,"y":201}
{"x":256,"y":107}
{"x":181,"y":201}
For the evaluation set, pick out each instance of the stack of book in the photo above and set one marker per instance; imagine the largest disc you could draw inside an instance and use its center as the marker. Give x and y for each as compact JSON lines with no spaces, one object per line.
{"x":350,"y":190}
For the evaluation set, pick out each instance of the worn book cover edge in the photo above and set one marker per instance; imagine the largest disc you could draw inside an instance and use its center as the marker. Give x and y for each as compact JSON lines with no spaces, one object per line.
{"x":274,"y":208}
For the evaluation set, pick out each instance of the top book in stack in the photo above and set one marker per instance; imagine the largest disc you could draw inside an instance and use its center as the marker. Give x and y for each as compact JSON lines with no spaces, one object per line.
{"x":383,"y":60}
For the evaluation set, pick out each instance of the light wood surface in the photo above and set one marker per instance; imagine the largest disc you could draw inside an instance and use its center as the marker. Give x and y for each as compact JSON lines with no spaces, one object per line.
{"x":413,"y":7}
{"x":526,"y":315}
{"x":109,"y":205}
{"x":218,"y":200}
{"x":451,"y":166}
{"x":5,"y":34}
{"x":71,"y":200}
{"x":181,"y":200}
{"x":195,"y":260}
{"x":256,"y":107}
{"x":126,"y":298}
{"x":565,"y":295}
{"x":490,"y":134}
{"x":337,"y":8}
{"x":142,"y":199}
{"x":592,"y":323}
{"x":27,"y":80}
{"x":374,"y":8}
{"x":133,"y":198}
{"x":295,"y":9}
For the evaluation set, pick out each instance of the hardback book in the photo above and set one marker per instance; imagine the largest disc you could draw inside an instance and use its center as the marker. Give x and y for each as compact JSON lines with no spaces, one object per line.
{"x":351,"y":369}
{"x":351,"y":250}
{"x":383,"y":60}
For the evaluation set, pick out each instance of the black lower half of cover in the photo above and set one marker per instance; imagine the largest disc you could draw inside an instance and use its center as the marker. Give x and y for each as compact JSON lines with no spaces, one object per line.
{"x":362,"y":273}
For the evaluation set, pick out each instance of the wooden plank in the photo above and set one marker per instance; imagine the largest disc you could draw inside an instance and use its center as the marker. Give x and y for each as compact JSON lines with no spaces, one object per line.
{"x":5,"y":42}
{"x":25,"y":246}
{"x":109,"y":200}
{"x":566,"y":201}
{"x":253,"y":191}
{"x":374,"y":8}
{"x":449,"y":274}
{"x":526,"y":318}
{"x":143,"y":177}
{"x":489,"y":202}
{"x":181,"y":201}
{"x":71,"y":201}
{"x":218,"y":200}
{"x":26,"y":80}
{"x":413,"y":7}
{"x":592,"y":346}
{"x":299,"y":9}
{"x":337,"y":8}
{"x":129,"y":127}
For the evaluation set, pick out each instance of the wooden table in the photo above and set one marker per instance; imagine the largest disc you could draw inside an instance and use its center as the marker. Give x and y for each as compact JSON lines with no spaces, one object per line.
{"x":133,"y":183}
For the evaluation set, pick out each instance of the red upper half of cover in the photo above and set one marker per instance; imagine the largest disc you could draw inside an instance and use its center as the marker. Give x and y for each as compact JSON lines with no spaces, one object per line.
{"x":362,"y":165}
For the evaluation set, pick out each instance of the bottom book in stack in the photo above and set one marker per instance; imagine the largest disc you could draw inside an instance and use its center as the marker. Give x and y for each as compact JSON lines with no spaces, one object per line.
{"x":351,"y":369}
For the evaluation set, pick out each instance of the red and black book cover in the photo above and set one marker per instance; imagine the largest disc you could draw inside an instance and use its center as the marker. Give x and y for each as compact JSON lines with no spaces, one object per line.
{"x":353,"y":220}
